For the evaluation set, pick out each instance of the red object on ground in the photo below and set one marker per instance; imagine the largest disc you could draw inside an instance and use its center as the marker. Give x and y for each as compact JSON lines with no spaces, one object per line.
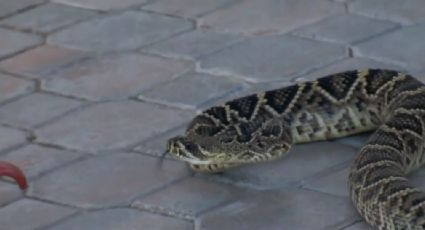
{"x":12,"y":171}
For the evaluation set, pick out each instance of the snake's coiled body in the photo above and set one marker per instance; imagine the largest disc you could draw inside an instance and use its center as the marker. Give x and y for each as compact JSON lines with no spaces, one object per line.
{"x":263,"y":127}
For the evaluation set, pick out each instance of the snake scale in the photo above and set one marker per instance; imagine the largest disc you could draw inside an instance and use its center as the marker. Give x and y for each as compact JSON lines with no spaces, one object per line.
{"x":264,"y":126}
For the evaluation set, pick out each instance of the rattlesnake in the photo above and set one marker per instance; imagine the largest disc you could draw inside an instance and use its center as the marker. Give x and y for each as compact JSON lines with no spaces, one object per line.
{"x":263,"y":127}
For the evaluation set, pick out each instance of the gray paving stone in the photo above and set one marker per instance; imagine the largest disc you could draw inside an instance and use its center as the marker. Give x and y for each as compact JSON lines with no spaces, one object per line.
{"x":126,"y":31}
{"x":11,"y":87}
{"x":11,"y":138}
{"x":185,"y":8}
{"x":411,"y":53}
{"x":359,"y":226}
{"x":275,"y":209}
{"x":356,"y":141}
{"x":192,"y":90}
{"x":348,"y":64}
{"x":102,"y":4}
{"x":36,"y":63}
{"x":406,"y":12}
{"x":35,"y":109}
{"x":156,"y":145}
{"x":9,"y":193}
{"x":8,"y":7}
{"x":107,"y":180}
{"x":47,"y":17}
{"x":30,"y":214}
{"x":114,"y":219}
{"x":188,"y":198}
{"x":335,"y":183}
{"x":269,"y":16}
{"x":115,"y":76}
{"x":34,"y":160}
{"x":271,"y":57}
{"x":110,"y":126}
{"x":193,"y":45}
{"x":13,"y":41}
{"x":345,"y":28}
{"x":302,"y":162}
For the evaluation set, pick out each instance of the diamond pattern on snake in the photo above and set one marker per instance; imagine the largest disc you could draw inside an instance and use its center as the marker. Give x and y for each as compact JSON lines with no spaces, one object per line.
{"x":264,"y":126}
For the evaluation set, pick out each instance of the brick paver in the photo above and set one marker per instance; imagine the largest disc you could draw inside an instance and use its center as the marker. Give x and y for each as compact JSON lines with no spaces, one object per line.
{"x":106,"y":181}
{"x":38,"y":62}
{"x":47,"y":17}
{"x":31,"y":214}
{"x":113,"y":76}
{"x":103,"y":5}
{"x":35,"y":160}
{"x":13,"y":41}
{"x":345,"y":28}
{"x":122,"y":219}
{"x":193,"y":45}
{"x":10,"y":7}
{"x":36,"y":109}
{"x":207,"y":88}
{"x":11,"y":87}
{"x":90,"y":91}
{"x":185,"y":8}
{"x":411,"y":53}
{"x":10,"y":138}
{"x":406,"y":12}
{"x":125,"y":31}
{"x":272,"y":57}
{"x":188,"y":198}
{"x":269,"y":16}
{"x":298,"y":209}
{"x":8,"y":193}
{"x":110,"y":126}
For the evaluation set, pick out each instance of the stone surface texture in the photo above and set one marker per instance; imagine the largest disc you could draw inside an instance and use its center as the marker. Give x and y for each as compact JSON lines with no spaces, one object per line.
{"x":91,"y":90}
{"x":12,"y":42}
{"x":47,"y":18}
{"x":125,"y":31}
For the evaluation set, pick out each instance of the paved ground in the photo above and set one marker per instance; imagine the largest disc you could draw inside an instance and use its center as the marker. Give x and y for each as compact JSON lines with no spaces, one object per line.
{"x":91,"y":89}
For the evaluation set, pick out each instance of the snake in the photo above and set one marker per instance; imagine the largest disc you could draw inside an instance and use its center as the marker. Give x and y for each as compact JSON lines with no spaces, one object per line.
{"x":264,"y":126}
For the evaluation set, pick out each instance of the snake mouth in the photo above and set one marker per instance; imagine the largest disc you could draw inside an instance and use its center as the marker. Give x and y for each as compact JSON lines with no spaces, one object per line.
{"x":193,"y":161}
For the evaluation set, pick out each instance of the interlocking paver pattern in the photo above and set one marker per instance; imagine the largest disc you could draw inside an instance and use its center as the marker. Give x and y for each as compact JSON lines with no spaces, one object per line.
{"x":193,"y":45}
{"x":90,"y":91}
{"x":207,"y":88}
{"x":405,"y":12}
{"x":345,"y":28}
{"x":47,"y":17}
{"x":113,"y":76}
{"x":269,"y":16}
{"x":410,"y":52}
{"x":106,"y":181}
{"x":125,"y":31}
{"x":10,"y":7}
{"x":13,"y":41}
{"x":185,"y":8}
{"x":111,"y":125}
{"x":269,"y":58}
{"x":31,"y":214}
{"x":103,"y":5}
{"x":38,"y":62}
{"x":122,"y":219}
{"x":11,"y":87}
{"x":35,"y":109}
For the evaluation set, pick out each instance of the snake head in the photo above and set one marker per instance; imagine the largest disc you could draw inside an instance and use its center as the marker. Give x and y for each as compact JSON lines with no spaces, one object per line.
{"x":187,"y":150}
{"x":270,"y":141}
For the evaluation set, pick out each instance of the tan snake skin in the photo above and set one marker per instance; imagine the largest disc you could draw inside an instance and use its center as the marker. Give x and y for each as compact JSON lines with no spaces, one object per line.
{"x":263,"y":127}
